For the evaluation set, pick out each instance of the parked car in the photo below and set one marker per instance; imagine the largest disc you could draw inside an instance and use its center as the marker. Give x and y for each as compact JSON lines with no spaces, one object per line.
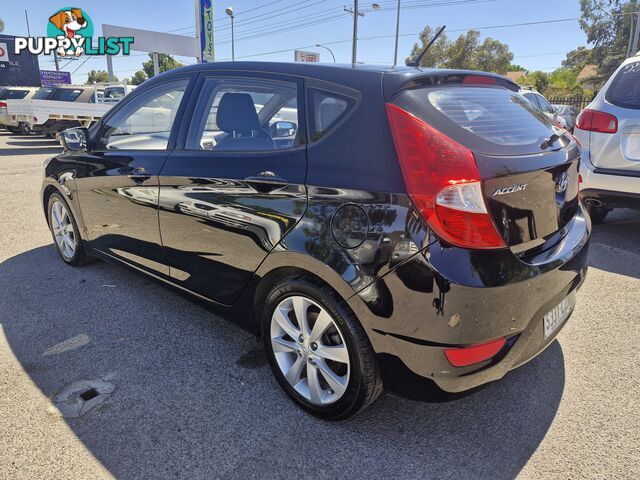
{"x":65,"y":106}
{"x":9,"y":93}
{"x":569,"y":113}
{"x":115,"y":93}
{"x":609,"y":131}
{"x":418,"y":226}
{"x":538,"y":100}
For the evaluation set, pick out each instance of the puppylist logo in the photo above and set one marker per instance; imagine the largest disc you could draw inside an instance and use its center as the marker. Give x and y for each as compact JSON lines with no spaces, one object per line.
{"x":70,"y":33}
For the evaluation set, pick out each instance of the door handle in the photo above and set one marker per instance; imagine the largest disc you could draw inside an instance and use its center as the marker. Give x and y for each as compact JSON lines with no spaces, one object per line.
{"x":266,"y":181}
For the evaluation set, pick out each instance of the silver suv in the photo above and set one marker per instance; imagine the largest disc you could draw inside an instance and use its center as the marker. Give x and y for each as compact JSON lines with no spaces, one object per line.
{"x":609,"y":131}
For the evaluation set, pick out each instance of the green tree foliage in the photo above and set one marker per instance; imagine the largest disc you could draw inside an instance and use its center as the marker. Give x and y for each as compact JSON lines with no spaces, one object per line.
{"x":538,"y":80}
{"x":1,"y":25}
{"x":464,"y":52}
{"x":516,"y":68}
{"x":577,"y":59}
{"x":165,"y":62}
{"x":137,"y":78}
{"x":99,"y":76}
{"x":607,"y":24}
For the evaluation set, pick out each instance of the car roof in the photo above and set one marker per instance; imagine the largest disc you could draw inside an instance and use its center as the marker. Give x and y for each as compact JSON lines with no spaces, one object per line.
{"x":345,"y":74}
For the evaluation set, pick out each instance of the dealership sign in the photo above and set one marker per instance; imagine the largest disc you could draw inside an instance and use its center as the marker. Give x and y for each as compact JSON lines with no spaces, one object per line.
{"x":302,"y":56}
{"x":49,"y":78}
{"x":205,"y":30}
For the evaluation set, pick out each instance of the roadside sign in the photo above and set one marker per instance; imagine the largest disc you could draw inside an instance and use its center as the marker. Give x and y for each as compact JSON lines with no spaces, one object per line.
{"x":53,"y":77}
{"x":204,"y":29}
{"x":302,"y":56}
{"x":4,"y":52}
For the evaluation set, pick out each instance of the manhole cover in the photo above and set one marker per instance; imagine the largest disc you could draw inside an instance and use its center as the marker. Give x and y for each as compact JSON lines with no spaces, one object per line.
{"x":80,"y":397}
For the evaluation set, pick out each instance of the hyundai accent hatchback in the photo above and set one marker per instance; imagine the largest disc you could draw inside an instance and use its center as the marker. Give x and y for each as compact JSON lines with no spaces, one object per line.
{"x":395,"y":227}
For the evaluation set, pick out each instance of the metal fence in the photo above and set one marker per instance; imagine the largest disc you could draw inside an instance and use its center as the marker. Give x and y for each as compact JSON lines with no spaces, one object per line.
{"x":578,"y":102}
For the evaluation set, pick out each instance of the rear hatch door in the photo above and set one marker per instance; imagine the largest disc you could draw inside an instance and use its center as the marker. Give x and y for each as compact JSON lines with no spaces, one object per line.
{"x":528,"y":165}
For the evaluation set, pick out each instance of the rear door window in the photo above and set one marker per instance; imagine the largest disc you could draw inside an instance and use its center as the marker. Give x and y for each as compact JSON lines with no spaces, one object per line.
{"x":624,"y":91}
{"x":42,"y":94}
{"x":13,"y":94}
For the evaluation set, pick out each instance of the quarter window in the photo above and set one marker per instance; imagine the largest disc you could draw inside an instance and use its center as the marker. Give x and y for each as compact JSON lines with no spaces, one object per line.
{"x":326,"y":110}
{"x":145,"y":123}
{"x":236,"y":114}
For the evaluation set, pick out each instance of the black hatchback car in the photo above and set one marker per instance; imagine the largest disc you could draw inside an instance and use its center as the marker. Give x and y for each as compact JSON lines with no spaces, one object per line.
{"x":403,"y":226}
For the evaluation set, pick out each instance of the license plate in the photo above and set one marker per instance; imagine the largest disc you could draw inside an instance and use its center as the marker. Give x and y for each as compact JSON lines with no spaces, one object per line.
{"x":558,"y":315}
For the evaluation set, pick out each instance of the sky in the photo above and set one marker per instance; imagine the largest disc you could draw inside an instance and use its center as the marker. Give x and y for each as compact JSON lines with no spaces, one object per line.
{"x":264,"y":26}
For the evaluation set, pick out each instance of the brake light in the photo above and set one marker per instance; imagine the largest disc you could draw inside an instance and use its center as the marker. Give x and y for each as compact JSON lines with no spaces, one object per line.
{"x":595,"y":121}
{"x":478,"y":80}
{"x":3,"y":104}
{"x":443,"y":182}
{"x":465,"y":356}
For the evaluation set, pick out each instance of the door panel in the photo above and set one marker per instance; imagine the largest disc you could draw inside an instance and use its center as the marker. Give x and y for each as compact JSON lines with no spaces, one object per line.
{"x":118,"y":182}
{"x":216,"y":226}
{"x":238,"y":186}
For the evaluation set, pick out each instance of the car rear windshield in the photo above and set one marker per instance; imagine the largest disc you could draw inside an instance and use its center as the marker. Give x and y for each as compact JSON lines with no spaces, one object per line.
{"x":624,"y":91}
{"x":490,"y":120}
{"x":13,"y":94}
{"x":65,"y":94}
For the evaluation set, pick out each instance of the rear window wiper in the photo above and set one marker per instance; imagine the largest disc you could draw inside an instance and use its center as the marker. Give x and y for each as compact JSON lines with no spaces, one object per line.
{"x":552,"y":139}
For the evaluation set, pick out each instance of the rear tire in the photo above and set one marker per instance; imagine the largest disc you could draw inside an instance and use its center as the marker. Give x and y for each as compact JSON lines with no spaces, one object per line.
{"x":64,"y":229}
{"x":597,"y":214}
{"x":328,"y":389}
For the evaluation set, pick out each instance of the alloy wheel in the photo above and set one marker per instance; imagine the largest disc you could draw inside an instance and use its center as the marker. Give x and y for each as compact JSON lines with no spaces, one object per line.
{"x":62,"y":227}
{"x":310,"y":350}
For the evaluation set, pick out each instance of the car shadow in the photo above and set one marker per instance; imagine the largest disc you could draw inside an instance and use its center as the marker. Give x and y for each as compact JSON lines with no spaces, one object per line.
{"x":615,"y":243}
{"x":45,"y":142}
{"x":194,"y":395}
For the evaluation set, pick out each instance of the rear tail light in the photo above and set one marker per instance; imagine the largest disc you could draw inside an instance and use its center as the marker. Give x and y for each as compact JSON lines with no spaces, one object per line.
{"x":479,"y":80}
{"x":595,"y":121}
{"x":3,"y":104}
{"x":443,"y":182}
{"x":472,"y":354}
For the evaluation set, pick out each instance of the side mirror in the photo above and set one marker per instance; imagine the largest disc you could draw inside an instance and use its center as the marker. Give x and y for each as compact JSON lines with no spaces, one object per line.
{"x":283,"y":129}
{"x":75,"y":139}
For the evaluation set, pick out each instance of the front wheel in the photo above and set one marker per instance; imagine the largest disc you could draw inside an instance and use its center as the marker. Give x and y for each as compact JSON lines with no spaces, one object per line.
{"x":318,"y":351}
{"x":64,"y":230}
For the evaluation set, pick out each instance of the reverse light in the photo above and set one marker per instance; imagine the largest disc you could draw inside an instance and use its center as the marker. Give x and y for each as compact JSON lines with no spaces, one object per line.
{"x":596,"y":121}
{"x":469,"y":355}
{"x":443,"y":182}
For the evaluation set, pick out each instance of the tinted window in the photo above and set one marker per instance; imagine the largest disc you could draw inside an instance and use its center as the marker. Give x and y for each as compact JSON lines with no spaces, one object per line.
{"x":65,"y":94}
{"x":13,"y":94}
{"x":544,"y":105}
{"x":494,"y":114}
{"x":532,"y":97}
{"x":145,"y":123}
{"x":114,"y":92}
{"x":42,"y":94}
{"x":325,"y":111}
{"x":624,"y":91}
{"x":245,"y":114}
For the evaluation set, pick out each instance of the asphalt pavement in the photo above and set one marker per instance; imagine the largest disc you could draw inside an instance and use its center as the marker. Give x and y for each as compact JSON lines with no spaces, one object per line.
{"x":191,"y":396}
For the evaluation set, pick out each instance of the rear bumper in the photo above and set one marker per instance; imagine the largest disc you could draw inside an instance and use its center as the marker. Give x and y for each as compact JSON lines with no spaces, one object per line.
{"x":448,"y":297}
{"x":614,"y":188}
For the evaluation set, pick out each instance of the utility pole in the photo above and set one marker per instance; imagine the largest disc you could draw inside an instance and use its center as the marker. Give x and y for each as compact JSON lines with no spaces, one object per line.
{"x":395,"y":52}
{"x":356,"y":13}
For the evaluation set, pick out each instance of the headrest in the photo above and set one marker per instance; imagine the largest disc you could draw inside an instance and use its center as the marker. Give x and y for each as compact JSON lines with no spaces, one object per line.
{"x":237,"y":113}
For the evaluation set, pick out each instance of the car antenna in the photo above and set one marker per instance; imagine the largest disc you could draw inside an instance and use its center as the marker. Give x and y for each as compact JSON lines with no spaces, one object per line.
{"x":416,"y":62}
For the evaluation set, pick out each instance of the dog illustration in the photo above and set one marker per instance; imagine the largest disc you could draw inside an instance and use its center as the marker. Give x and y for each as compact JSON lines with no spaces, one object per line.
{"x":69,"y":21}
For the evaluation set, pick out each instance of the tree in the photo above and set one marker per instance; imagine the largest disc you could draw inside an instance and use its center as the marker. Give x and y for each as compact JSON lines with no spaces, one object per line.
{"x":516,"y":68}
{"x":608,"y":25}
{"x":539,"y":80}
{"x":137,"y":78}
{"x":578,"y":58}
{"x":165,"y":62}
{"x":99,"y":76}
{"x":464,"y":52}
{"x":1,"y":25}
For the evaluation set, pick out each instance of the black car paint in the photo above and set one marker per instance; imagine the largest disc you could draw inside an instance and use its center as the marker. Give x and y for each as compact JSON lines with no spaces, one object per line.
{"x":414,"y":294}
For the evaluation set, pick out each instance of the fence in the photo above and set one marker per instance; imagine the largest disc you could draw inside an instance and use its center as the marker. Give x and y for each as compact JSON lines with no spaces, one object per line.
{"x":578,"y":102}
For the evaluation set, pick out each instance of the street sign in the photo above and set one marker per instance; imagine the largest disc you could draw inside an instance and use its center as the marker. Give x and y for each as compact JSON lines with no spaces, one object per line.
{"x":50,"y":78}
{"x":204,"y":29}
{"x":302,"y":56}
